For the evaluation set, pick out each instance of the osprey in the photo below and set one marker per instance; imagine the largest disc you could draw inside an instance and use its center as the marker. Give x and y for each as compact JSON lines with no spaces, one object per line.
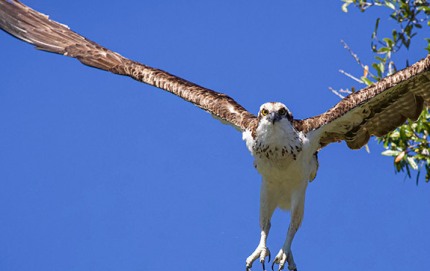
{"x":284,"y":149}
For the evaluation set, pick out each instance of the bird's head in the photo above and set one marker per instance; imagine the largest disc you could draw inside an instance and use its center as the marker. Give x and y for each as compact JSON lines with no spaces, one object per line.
{"x":273,"y":112}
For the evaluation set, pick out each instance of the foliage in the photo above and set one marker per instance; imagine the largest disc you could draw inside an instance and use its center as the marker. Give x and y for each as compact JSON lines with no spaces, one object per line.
{"x":408,"y":144}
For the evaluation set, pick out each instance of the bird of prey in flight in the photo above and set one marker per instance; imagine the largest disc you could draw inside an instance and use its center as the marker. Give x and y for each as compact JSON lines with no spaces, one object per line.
{"x":284,"y":148}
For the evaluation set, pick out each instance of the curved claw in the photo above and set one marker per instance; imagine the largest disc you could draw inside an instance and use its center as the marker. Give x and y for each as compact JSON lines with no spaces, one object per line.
{"x":273,"y":265}
{"x":260,"y":253}
{"x":268,"y":260}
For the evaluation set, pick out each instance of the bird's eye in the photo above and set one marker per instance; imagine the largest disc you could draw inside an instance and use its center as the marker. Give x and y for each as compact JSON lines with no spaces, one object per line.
{"x":264,"y":112}
{"x":282,"y":111}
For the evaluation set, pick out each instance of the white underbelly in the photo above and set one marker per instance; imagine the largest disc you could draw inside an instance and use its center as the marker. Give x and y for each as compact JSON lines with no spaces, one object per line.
{"x":283,"y":179}
{"x":286,"y":160}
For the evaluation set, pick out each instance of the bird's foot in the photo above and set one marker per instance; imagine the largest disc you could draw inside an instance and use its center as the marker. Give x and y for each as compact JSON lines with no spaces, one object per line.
{"x":260,"y":252}
{"x":282,"y":258}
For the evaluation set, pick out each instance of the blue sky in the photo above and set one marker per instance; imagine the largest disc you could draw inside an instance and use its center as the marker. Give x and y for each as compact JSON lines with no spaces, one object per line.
{"x":99,"y":172}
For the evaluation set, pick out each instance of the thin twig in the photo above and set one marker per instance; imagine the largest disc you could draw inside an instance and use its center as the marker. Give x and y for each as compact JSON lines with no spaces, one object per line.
{"x":347,"y":91}
{"x":335,"y":92}
{"x":355,"y":56}
{"x":351,"y":76}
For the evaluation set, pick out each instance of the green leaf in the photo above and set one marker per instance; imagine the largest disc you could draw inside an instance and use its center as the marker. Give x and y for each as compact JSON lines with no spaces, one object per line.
{"x":384,"y":50}
{"x":389,"y":42}
{"x":375,"y":31}
{"x":345,"y":7}
{"x":366,"y":80}
{"x":395,"y":35}
{"x":412,"y":163}
{"x":395,"y":134}
{"x":390,"y":5}
{"x":380,"y":59}
{"x":390,"y":153}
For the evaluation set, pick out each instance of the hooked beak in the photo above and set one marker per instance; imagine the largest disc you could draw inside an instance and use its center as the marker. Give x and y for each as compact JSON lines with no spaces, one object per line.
{"x":273,"y":117}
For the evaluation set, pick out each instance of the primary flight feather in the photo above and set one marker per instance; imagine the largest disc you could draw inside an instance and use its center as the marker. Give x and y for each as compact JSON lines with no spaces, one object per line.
{"x":284,"y":149}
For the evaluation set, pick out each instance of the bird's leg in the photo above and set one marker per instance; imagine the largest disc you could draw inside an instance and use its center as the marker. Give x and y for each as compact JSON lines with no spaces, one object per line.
{"x":261,"y":251}
{"x":285,"y":254}
{"x":267,"y":207}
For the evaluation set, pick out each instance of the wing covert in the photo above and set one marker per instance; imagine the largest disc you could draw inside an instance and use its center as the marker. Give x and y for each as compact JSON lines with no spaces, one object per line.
{"x":374,"y":110}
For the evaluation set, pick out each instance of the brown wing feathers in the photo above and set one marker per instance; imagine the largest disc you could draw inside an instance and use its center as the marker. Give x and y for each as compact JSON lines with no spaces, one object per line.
{"x":375,"y":110}
{"x":35,"y":28}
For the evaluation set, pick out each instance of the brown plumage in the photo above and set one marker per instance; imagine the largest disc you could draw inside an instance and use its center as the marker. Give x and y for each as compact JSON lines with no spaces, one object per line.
{"x":375,"y":110}
{"x":37,"y":29}
{"x":285,"y":150}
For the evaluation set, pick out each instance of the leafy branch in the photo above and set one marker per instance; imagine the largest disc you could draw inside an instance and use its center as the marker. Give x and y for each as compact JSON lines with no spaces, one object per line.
{"x":409,"y":144}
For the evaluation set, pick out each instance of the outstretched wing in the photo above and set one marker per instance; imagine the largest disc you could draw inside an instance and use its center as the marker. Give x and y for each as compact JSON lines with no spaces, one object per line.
{"x":374,"y":110}
{"x":36,"y":28}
